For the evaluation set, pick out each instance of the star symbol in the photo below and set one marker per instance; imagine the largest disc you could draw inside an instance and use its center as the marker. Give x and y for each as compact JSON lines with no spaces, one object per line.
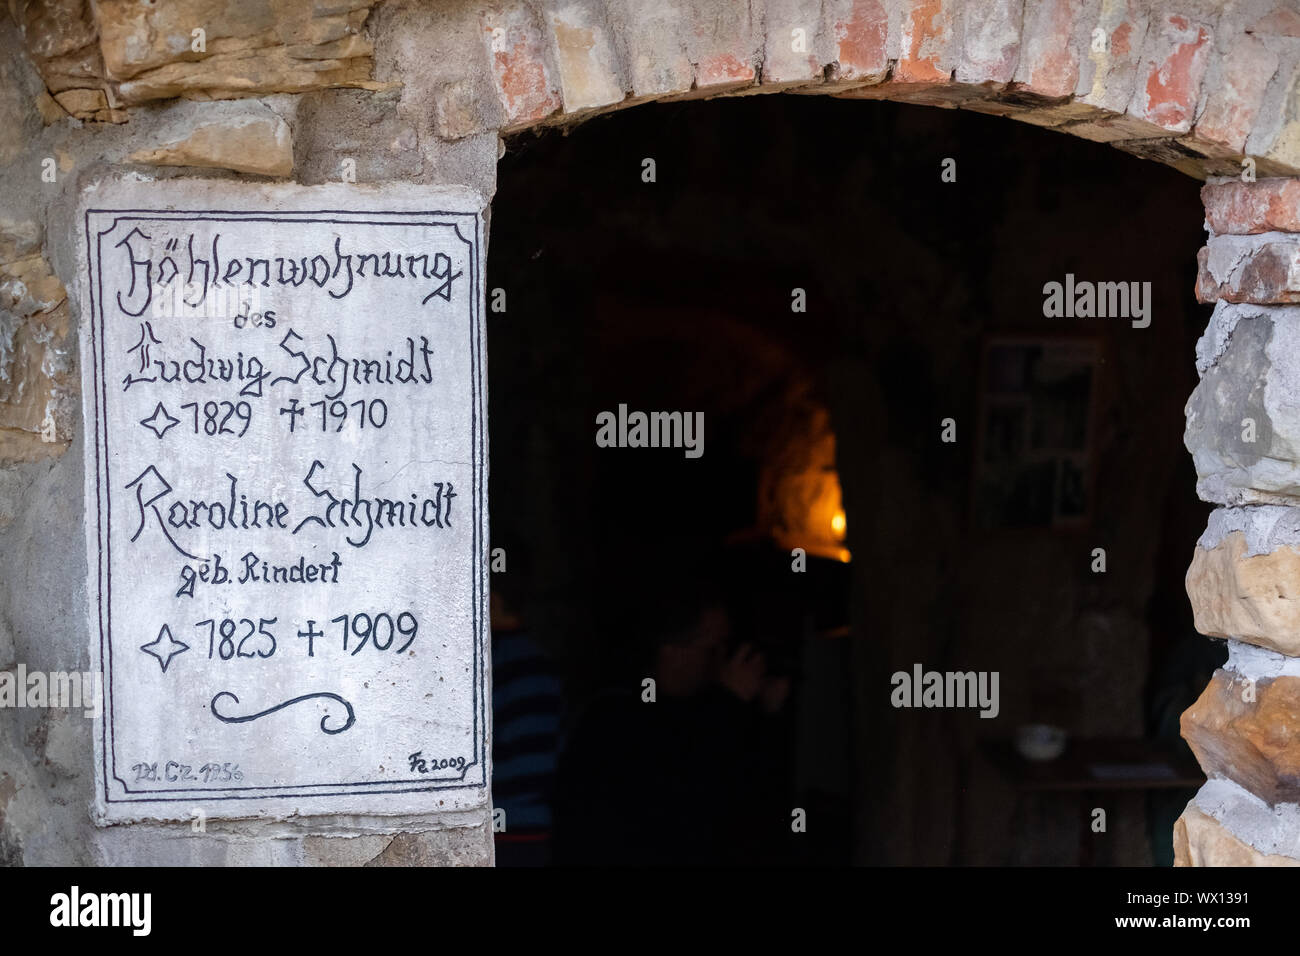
{"x":160,"y":421}
{"x":165,"y":650}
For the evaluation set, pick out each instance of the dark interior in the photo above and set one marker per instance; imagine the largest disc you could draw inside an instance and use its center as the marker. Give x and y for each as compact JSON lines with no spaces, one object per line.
{"x":824,"y":430}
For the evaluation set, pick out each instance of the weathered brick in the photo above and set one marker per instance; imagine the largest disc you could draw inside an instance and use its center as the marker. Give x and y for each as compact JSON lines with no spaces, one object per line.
{"x":990,"y":43}
{"x":654,"y":34}
{"x":1242,"y":209}
{"x":1248,"y":732}
{"x":1174,"y":59}
{"x":929,"y":42}
{"x":791,"y":53}
{"x":1282,"y":20}
{"x":584,"y":55}
{"x":1049,"y":48}
{"x":1113,"y":42}
{"x":516,"y":45}
{"x":1236,"y":86}
{"x":722,"y":45}
{"x":1275,"y":135}
{"x":859,"y":31}
{"x":1249,"y":269}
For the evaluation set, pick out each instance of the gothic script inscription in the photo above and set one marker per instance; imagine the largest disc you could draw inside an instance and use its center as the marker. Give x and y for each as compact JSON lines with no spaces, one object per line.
{"x":286,"y":504}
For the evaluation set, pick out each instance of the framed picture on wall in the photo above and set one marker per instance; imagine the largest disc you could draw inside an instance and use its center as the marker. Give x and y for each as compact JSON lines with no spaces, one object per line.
{"x":1034,"y":456}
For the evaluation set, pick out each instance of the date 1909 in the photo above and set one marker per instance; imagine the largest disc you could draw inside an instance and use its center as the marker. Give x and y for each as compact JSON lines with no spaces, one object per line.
{"x":173,"y":771}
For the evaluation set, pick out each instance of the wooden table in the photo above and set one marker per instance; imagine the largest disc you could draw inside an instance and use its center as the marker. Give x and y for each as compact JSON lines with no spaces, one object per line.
{"x":1098,"y":764}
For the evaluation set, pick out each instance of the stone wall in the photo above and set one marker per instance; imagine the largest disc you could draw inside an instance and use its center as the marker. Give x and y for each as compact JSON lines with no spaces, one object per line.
{"x":423,"y":93}
{"x":1241,"y":424}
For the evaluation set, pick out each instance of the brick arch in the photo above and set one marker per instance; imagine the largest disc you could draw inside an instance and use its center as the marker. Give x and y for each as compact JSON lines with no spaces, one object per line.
{"x":1183,"y":83}
{"x":1179,"y":82}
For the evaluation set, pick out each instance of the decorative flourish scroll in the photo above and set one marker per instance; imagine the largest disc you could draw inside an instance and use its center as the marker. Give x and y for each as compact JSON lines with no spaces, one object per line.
{"x":352,"y":717}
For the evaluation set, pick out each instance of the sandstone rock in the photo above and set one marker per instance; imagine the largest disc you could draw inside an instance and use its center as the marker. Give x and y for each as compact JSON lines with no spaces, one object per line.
{"x":1249,"y":732}
{"x":1252,"y":598}
{"x":132,"y":52}
{"x":1201,"y":840}
{"x":136,"y":37}
{"x":248,"y":142}
{"x":62,"y":40}
{"x":37,"y":378}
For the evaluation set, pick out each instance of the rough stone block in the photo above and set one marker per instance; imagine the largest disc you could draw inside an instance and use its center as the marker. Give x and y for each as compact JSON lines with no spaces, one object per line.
{"x":1249,"y":732}
{"x":1201,"y":840}
{"x":1243,"y":419}
{"x":1244,"y":580}
{"x":38,"y":385}
{"x":247,"y":140}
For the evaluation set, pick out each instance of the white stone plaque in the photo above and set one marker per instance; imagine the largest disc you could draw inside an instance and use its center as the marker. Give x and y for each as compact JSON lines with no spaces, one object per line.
{"x":286,"y":488}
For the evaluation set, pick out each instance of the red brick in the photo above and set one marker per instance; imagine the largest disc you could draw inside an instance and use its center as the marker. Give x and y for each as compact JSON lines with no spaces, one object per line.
{"x":782,"y":64}
{"x":584,"y":55}
{"x":1174,"y":60}
{"x":722,"y":45}
{"x":657,"y":63}
{"x":1108,"y":76}
{"x":516,"y":44}
{"x":1236,"y":90}
{"x":1284,"y":20}
{"x":929,"y":42}
{"x":1049,"y":49}
{"x":1243,"y":209}
{"x":859,"y":31}
{"x":990,"y":44}
{"x":1247,"y":269}
{"x":723,"y":69}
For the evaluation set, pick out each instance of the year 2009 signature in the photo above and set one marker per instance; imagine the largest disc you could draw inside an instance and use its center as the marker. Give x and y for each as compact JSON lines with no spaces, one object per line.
{"x":422,"y":764}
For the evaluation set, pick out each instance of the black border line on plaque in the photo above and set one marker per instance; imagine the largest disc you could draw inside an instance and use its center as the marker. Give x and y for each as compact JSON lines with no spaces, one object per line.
{"x":103,"y":500}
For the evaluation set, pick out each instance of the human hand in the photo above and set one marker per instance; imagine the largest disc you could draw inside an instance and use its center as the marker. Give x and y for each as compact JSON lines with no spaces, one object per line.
{"x":773,"y":693}
{"x":742,"y":673}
